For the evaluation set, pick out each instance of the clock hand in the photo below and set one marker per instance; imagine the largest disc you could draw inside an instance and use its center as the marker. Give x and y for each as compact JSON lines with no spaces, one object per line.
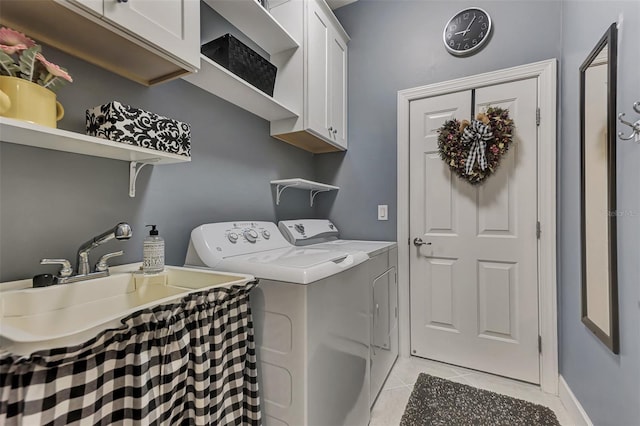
{"x":469,"y":26}
{"x":464,"y":32}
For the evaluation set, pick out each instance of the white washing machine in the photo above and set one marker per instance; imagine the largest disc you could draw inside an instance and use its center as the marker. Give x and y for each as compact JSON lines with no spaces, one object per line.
{"x":311,"y":320}
{"x":383,"y":278}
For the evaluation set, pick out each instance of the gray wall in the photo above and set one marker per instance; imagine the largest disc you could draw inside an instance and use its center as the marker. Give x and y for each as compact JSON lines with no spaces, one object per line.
{"x":608,"y":386}
{"x":51,"y":202}
{"x":397,"y":45}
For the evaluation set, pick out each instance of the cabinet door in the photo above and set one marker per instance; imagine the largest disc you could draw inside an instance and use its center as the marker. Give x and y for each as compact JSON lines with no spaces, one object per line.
{"x":92,"y":5}
{"x":317,"y":83}
{"x":338,"y":90}
{"x":172,"y":25}
{"x":381,"y":306}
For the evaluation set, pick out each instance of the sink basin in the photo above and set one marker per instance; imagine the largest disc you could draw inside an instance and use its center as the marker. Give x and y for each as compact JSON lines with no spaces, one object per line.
{"x":66,"y":314}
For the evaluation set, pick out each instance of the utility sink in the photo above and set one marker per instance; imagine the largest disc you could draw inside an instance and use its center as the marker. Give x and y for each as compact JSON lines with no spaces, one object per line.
{"x":65,"y":314}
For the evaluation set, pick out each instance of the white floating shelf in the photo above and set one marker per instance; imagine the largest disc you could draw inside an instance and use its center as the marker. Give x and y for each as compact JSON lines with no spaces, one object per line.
{"x":216,"y":79}
{"x":23,"y":133}
{"x":314,"y":188}
{"x":255,"y":22}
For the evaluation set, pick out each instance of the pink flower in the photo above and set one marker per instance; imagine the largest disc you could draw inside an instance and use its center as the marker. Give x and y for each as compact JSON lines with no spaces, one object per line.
{"x":12,"y":41}
{"x":53,"y":68}
{"x":494,"y":149}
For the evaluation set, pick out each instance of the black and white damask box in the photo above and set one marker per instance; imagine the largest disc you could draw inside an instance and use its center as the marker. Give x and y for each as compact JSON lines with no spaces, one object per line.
{"x":123,"y":123}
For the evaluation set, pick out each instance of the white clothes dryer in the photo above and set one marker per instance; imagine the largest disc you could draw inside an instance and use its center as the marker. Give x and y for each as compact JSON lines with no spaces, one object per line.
{"x":383,"y":278}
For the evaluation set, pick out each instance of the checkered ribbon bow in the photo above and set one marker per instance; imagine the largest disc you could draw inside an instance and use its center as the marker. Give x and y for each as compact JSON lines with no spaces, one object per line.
{"x":476,"y":134}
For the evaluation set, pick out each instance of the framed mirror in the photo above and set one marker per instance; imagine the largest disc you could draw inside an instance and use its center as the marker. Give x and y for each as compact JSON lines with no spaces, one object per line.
{"x":598,"y":190}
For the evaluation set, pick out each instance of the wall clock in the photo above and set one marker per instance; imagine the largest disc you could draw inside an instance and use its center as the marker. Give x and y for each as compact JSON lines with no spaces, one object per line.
{"x":467,"y":31}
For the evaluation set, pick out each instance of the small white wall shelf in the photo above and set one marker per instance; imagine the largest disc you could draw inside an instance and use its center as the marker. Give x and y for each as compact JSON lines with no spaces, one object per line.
{"x":216,"y":79}
{"x":314,"y":187}
{"x":255,"y":22}
{"x":23,"y":133}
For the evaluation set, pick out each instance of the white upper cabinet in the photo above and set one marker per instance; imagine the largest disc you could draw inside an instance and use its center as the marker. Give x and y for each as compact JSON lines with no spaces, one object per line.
{"x":174,"y":25}
{"x":318,"y":87}
{"x":313,"y":80}
{"x":95,"y":5}
{"x":338,"y":89}
{"x":145,"y":41}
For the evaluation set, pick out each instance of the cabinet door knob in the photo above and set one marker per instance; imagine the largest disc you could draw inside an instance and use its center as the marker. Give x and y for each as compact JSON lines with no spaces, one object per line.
{"x":122,"y":1}
{"x":335,"y":131}
{"x":331,"y":129}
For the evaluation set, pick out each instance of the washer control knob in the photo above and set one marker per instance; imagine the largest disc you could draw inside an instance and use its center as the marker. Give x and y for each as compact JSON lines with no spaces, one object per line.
{"x":233,"y":237}
{"x":299,"y":227}
{"x":251,"y":235}
{"x":266,"y":234}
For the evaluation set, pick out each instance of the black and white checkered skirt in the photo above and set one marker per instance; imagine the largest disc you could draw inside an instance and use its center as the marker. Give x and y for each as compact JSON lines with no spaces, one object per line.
{"x":192,"y":362}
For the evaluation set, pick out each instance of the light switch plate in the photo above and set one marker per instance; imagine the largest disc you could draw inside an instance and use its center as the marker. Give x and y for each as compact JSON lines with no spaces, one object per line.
{"x":383,"y":212}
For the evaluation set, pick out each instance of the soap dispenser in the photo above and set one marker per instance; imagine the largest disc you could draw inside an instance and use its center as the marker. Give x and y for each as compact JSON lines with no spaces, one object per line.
{"x":153,"y":252}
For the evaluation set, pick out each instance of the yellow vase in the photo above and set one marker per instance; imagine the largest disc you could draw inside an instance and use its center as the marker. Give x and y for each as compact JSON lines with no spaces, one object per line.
{"x":27,"y":101}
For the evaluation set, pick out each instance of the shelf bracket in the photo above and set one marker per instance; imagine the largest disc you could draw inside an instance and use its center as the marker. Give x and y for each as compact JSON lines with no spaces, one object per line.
{"x":314,"y":188}
{"x":279,"y":190}
{"x":313,"y":193}
{"x":134,"y":171}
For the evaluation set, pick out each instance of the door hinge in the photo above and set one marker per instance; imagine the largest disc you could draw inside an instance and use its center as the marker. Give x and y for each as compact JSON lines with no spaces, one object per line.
{"x":539,"y":344}
{"x":538,"y":116}
{"x":538,"y":229}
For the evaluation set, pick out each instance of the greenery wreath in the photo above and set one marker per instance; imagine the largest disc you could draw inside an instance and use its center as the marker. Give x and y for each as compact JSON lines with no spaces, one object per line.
{"x":473,"y":150}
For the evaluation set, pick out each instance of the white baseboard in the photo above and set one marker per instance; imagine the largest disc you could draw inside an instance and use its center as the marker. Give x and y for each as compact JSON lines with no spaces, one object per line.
{"x":573,"y":406}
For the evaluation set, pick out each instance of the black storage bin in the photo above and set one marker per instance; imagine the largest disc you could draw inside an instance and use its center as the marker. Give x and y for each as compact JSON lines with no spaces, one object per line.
{"x":243,"y":61}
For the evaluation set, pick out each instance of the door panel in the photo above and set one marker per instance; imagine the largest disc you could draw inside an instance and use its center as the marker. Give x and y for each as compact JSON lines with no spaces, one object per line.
{"x":317,"y":102}
{"x":497,"y":290}
{"x":338,"y":94}
{"x":474,"y":289}
{"x":427,"y":170}
{"x":440,"y":293}
{"x":381,"y":319}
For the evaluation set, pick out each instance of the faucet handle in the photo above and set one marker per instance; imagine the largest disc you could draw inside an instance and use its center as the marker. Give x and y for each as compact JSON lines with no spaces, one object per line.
{"x":102,"y":265}
{"x":65,"y":270}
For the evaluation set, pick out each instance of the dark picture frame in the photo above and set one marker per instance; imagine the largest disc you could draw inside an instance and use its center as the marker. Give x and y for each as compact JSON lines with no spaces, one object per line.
{"x":598,"y":86}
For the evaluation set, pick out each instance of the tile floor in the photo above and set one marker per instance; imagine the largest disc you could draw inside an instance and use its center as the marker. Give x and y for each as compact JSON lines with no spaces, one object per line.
{"x":394,"y":396}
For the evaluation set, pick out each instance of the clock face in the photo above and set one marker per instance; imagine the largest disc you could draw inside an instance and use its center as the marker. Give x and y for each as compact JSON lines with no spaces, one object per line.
{"x":467,"y":31}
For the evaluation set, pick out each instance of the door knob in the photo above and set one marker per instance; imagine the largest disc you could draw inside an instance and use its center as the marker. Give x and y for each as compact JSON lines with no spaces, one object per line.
{"x":418,"y":242}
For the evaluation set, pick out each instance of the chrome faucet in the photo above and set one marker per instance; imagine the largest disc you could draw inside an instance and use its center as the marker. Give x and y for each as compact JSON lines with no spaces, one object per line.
{"x":66,"y":275}
{"x":121,"y":231}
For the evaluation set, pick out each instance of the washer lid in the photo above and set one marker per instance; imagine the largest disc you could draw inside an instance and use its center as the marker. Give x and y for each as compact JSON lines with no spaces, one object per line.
{"x":372,"y":248}
{"x":294,"y":265}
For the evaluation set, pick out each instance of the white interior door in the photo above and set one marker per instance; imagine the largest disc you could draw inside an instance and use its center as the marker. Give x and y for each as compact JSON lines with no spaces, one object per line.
{"x":474,"y":288}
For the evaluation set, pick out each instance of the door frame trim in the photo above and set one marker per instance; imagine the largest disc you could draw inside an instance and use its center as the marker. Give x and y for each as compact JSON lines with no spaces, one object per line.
{"x":546,"y":73}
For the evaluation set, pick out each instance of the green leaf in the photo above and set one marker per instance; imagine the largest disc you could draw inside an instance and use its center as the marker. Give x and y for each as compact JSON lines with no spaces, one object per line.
{"x":7,"y":65}
{"x":42,"y":77}
{"x":54,"y":84}
{"x":28,"y":63}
